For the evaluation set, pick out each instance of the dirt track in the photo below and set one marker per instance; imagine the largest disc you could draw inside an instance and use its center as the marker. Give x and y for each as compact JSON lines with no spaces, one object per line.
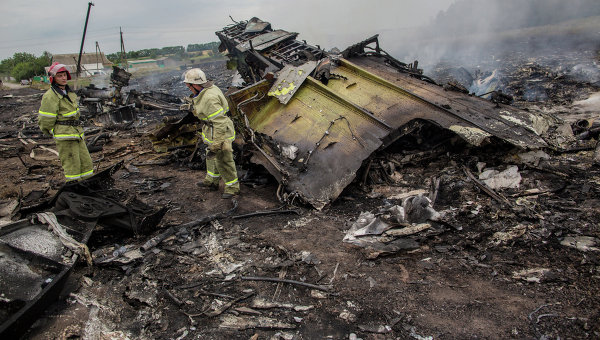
{"x":489,"y":271}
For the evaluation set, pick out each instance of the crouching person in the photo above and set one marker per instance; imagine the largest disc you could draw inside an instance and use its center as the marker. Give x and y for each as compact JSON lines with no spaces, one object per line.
{"x":59,"y":117}
{"x":218,"y":133}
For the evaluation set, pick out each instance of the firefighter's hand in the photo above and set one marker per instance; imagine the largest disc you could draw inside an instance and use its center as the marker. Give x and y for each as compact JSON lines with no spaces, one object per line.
{"x":185,"y":107}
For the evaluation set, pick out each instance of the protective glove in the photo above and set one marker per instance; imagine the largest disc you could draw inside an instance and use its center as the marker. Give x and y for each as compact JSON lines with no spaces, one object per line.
{"x":185,"y":107}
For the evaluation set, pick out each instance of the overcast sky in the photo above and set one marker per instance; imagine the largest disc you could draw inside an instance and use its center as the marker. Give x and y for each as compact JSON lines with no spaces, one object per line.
{"x":56,"y":26}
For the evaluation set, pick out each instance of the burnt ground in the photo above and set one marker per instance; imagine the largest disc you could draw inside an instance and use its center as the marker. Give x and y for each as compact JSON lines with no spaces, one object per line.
{"x":489,"y":270}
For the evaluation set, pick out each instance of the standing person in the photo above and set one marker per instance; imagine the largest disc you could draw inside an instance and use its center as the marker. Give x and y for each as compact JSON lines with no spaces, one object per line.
{"x":210,"y":106}
{"x":59,"y":117}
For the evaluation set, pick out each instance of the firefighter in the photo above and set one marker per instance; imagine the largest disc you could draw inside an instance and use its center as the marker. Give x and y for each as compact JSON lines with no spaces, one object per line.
{"x":210,"y":106}
{"x":59,"y":118}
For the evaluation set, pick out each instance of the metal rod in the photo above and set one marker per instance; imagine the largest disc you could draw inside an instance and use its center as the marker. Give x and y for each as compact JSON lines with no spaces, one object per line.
{"x":90,"y":4}
{"x":294,"y":282}
{"x":265,"y":212}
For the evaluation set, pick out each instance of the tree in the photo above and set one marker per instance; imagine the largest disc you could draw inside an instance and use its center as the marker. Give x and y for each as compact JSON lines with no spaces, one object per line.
{"x":25,"y":65}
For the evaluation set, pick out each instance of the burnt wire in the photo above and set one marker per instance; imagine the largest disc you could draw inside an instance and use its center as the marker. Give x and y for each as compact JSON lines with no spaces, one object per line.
{"x":325,"y":134}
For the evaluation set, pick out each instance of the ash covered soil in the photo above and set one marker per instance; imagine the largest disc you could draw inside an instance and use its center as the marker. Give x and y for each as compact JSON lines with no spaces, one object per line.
{"x":489,"y":270}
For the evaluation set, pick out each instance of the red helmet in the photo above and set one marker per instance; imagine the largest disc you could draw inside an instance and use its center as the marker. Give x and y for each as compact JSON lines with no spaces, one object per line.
{"x":55,"y":68}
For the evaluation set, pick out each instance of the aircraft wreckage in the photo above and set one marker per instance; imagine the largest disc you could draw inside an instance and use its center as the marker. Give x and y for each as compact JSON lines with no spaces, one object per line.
{"x":314,"y":117}
{"x":38,"y":253}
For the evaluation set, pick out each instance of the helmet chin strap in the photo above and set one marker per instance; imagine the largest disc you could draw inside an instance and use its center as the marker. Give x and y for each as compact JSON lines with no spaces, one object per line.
{"x":197,"y":88}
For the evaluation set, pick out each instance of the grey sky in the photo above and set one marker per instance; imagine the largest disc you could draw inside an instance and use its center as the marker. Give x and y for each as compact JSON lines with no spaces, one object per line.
{"x":56,"y":26}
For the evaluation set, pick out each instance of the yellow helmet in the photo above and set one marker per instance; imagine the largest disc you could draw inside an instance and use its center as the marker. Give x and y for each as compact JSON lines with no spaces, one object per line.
{"x":195,"y":76}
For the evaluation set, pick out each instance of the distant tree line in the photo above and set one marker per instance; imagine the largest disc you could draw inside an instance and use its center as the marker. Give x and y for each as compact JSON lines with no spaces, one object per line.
{"x":25,"y":65}
{"x":147,"y":53}
{"x":153,"y":53}
{"x":213,"y":46}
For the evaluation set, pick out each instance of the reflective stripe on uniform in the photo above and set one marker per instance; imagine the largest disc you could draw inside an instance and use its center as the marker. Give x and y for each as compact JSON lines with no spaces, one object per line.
{"x":231,"y":182}
{"x":213,"y":174}
{"x":47,"y":114}
{"x":213,"y":115}
{"x":72,"y":113}
{"x":232,"y":137}
{"x":68,"y":136}
{"x":85,"y":174}
{"x":206,"y":139}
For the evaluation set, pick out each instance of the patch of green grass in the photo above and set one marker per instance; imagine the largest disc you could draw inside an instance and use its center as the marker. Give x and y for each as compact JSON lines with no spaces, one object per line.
{"x":40,"y":85}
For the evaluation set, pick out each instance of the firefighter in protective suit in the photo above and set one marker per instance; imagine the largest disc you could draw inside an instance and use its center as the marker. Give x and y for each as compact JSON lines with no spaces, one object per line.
{"x":59,"y":117}
{"x":210,"y":106}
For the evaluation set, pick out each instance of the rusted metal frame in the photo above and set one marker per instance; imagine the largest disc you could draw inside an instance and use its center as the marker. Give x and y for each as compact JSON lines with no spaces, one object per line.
{"x":233,"y":29}
{"x":286,"y":46}
{"x":292,"y":51}
{"x":270,"y":64}
{"x":281,"y":57}
{"x":272,"y":41}
{"x":290,"y":48}
{"x":365,"y":74}
{"x":245,"y":37}
{"x":239,"y":26}
{"x":237,"y":34}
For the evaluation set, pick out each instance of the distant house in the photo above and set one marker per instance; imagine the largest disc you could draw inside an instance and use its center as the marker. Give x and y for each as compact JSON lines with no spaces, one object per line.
{"x":91,"y":64}
{"x":147,"y":63}
{"x":143,"y":63}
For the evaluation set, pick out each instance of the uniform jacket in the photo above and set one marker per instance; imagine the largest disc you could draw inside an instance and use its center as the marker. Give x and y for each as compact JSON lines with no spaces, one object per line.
{"x":56,"y":107}
{"x":210,"y":106}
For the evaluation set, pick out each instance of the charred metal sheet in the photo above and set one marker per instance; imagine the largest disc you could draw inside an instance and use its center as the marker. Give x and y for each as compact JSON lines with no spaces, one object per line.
{"x":256,"y":25}
{"x":265,"y":41}
{"x":176,"y":133}
{"x":270,"y":50}
{"x":399,"y":98}
{"x":107,"y":105}
{"x":121,"y":115}
{"x":34,"y":266}
{"x":117,"y":208}
{"x":289,"y":80}
{"x":313,"y":136}
{"x":332,"y":137}
{"x":35,"y":263}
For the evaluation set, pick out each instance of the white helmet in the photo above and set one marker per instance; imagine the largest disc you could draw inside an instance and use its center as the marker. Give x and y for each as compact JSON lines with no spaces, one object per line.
{"x":195,"y":76}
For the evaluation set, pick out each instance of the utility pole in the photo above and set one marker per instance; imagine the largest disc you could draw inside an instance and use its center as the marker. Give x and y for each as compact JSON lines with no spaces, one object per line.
{"x":98,"y":55}
{"x":83,"y":38}
{"x":123,"y":54}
